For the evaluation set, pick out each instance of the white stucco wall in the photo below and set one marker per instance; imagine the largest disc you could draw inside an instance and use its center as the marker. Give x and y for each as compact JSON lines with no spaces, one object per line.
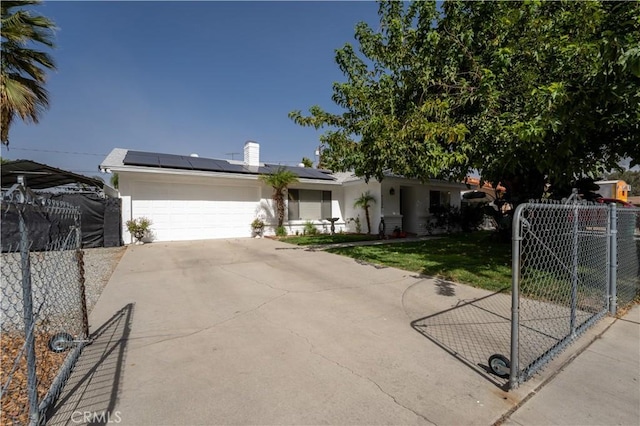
{"x":352,"y":191}
{"x":413,"y":215}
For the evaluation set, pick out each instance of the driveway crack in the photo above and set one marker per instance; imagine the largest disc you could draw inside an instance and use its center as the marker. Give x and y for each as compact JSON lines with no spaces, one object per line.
{"x":322,"y":290}
{"x":231,"y":318}
{"x":312,"y":350}
{"x":254,"y":280}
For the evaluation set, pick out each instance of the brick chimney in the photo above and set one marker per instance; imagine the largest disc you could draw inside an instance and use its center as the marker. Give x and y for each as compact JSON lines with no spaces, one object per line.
{"x":251,"y":153}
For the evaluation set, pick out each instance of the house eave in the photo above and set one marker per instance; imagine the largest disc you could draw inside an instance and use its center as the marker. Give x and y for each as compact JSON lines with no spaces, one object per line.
{"x":201,"y":173}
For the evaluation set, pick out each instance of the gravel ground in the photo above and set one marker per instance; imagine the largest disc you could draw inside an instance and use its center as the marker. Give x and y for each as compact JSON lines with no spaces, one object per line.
{"x":54,"y":291}
{"x":99,"y":264}
{"x":50,"y":270}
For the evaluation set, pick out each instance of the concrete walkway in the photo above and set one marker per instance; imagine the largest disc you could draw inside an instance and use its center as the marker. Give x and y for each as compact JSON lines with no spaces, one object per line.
{"x":249,"y":332}
{"x":601,"y":386}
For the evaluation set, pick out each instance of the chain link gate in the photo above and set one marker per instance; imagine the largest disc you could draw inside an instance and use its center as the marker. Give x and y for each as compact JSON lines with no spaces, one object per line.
{"x":628,"y":254}
{"x":43,"y":308}
{"x":572,"y":264}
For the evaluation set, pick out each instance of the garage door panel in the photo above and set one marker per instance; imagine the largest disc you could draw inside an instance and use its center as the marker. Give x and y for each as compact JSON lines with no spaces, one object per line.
{"x":212,"y":193}
{"x":189,"y":212}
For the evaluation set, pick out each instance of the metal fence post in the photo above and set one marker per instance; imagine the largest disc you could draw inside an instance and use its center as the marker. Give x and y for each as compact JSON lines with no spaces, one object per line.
{"x":608,"y":262}
{"x":29,"y":326}
{"x":574,"y":270}
{"x":613,"y":260}
{"x":80,"y":262}
{"x":515,"y":297}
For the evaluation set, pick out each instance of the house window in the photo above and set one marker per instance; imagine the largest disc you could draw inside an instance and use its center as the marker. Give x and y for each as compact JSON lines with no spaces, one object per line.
{"x":307,"y":204}
{"x":439,"y":198}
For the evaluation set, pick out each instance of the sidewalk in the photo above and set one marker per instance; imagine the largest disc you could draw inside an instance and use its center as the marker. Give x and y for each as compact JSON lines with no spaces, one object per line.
{"x":600,"y":386}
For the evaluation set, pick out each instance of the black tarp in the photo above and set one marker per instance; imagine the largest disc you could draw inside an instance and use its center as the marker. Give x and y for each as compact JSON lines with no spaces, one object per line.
{"x":112,"y":230}
{"x":100,"y":222}
{"x":42,"y":228}
{"x":100,"y":219}
{"x":92,"y":216}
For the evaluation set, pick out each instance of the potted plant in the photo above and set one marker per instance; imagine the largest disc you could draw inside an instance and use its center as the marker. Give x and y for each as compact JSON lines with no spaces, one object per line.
{"x":138,"y":228}
{"x":258,"y":227}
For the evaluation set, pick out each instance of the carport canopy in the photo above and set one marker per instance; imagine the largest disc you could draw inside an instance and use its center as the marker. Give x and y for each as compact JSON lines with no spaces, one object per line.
{"x":41,"y":176}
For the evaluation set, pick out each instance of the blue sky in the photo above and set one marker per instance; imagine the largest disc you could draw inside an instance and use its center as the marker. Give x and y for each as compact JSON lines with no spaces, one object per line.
{"x":186,"y":77}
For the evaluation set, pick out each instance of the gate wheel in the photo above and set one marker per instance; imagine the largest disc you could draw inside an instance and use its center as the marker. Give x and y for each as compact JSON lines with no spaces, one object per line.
{"x":60,"y":342}
{"x":500,"y":365}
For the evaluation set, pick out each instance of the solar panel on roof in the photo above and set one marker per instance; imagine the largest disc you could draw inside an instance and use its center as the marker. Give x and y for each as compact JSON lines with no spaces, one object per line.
{"x":174,"y":161}
{"x":231,"y":168}
{"x":234,"y":168}
{"x":143,"y":153}
{"x":301,"y":172}
{"x":205,"y":164}
{"x":315,"y":174}
{"x":141,"y":159}
{"x":306,"y":173}
{"x":152,"y":159}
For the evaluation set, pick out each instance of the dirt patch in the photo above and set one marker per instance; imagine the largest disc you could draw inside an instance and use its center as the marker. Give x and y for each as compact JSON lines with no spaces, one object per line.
{"x":15,"y":400}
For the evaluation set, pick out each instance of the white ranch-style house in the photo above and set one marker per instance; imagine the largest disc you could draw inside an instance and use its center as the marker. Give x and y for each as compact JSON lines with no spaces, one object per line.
{"x":192,"y":198}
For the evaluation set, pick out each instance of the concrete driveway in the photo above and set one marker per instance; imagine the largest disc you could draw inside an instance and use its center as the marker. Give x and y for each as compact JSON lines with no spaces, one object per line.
{"x":260,"y":332}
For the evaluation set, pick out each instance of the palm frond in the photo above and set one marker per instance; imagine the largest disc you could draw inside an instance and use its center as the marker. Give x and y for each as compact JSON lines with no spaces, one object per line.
{"x":280,"y":179}
{"x":364,"y":200}
{"x":23,"y":69}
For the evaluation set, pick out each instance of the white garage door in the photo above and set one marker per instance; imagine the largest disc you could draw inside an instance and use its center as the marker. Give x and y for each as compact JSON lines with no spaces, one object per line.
{"x":195,"y":212}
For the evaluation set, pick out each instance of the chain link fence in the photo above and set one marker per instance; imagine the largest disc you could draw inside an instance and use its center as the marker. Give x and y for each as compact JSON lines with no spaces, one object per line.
{"x":628,"y":254}
{"x":572,"y":264}
{"x":43,"y":310}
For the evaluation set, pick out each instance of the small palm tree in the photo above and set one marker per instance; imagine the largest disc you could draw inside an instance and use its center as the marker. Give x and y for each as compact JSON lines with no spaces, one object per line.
{"x":23,"y":70}
{"x":279,"y":181}
{"x":364,"y":201}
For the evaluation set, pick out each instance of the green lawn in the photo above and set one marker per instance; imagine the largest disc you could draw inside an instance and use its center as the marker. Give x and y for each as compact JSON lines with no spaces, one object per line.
{"x":470,"y":258}
{"x":308,"y":240}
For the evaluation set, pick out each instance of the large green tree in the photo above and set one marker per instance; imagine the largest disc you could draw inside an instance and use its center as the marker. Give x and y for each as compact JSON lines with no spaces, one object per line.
{"x":524,"y":92}
{"x":279,"y":180}
{"x":24,"y":67}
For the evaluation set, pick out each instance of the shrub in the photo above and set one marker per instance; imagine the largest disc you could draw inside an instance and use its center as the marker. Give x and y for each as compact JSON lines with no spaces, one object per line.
{"x":257,"y":227}
{"x":257,"y":224}
{"x":309,"y":229}
{"x":139,"y":227}
{"x":281,"y":231}
{"x":472,"y":216}
{"x":356,"y":221}
{"x":446,"y":217}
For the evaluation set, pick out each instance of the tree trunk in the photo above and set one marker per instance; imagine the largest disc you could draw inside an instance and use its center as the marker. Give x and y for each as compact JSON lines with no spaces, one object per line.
{"x":366,"y":214}
{"x":278,"y":197}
